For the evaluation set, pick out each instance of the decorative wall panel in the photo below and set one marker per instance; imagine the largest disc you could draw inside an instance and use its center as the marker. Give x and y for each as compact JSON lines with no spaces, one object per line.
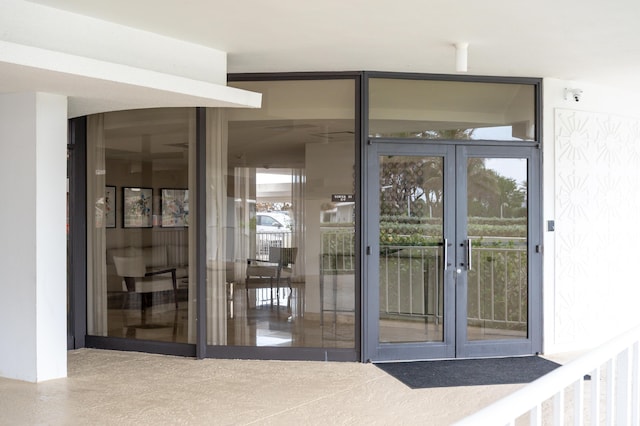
{"x":597,"y":175}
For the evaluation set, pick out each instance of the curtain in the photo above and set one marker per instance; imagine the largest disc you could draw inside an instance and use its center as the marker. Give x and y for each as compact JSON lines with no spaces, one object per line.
{"x":298,"y":240}
{"x":216,"y":221}
{"x":96,"y":235}
{"x":243,"y":243}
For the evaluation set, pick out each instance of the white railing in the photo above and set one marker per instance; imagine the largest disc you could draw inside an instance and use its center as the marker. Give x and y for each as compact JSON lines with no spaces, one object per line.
{"x":411,"y":281}
{"x":609,"y":395}
{"x":337,"y":270}
{"x":264,"y":240}
{"x":411,"y":284}
{"x":500,"y":272}
{"x":411,"y":278}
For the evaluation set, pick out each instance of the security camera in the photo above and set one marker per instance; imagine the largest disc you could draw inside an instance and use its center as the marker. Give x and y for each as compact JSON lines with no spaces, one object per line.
{"x":574,"y":94}
{"x":577,"y":93}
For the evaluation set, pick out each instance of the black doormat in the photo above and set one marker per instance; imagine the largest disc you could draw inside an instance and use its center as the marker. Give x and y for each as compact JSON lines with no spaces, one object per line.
{"x":469,"y":372}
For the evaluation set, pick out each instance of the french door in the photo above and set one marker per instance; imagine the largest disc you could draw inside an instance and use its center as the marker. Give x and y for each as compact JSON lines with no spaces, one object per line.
{"x":452,"y":251}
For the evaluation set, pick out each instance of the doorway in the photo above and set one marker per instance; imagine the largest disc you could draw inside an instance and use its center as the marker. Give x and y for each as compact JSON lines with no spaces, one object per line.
{"x":452,"y":251}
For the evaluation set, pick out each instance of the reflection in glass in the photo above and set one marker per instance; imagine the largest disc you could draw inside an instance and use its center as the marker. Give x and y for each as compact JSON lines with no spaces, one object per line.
{"x":497,"y":287}
{"x":450,"y":110}
{"x":411,"y":232}
{"x":139,"y":272}
{"x":290,"y":253}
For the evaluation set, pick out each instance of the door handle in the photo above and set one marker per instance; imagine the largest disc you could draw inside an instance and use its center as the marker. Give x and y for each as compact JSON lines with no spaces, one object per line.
{"x":469,"y":255}
{"x":445,"y":256}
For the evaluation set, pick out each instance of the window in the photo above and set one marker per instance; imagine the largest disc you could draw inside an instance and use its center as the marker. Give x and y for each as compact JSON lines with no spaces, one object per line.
{"x":284,"y":163}
{"x":450,"y":110}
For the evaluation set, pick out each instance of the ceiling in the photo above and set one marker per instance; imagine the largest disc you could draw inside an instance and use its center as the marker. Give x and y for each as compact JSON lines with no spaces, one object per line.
{"x":581,"y":40}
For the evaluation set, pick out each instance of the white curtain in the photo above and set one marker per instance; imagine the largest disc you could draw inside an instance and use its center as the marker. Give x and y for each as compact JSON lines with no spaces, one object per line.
{"x":216,"y":221}
{"x":96,"y":235}
{"x":299,"y":220}
{"x":243,"y":176}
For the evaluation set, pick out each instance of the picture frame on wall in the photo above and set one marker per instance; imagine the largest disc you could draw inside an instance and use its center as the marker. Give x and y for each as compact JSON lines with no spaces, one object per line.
{"x":137,"y":207}
{"x":110,"y":206}
{"x":174,"y":208}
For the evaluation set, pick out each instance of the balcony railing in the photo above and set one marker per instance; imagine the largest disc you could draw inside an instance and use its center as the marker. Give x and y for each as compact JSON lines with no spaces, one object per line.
{"x":411,"y":283}
{"x":411,"y":278}
{"x":337,"y":273}
{"x":337,"y":250}
{"x":264,"y":240}
{"x":601,"y":387}
{"x":497,"y":284}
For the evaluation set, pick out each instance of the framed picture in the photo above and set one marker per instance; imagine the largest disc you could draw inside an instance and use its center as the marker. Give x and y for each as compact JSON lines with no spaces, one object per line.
{"x":110,"y":206}
{"x":137,"y":207}
{"x":174,"y":208}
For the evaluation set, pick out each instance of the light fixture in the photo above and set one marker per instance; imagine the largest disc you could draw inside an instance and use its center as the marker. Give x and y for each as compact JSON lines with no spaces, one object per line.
{"x":462,"y":54}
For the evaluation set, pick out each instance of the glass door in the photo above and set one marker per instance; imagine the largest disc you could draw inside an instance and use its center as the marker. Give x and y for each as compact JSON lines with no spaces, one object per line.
{"x":498,"y":251}
{"x":409,"y":252}
{"x":450,"y":262}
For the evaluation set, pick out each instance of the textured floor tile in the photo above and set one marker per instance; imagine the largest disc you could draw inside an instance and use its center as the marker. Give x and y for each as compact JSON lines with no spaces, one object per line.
{"x":129,"y":388}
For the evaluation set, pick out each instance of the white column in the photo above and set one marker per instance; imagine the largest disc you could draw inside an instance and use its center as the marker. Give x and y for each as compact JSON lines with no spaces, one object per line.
{"x":33,"y":305}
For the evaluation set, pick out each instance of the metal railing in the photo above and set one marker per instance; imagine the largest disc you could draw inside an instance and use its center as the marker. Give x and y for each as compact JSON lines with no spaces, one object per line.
{"x":600,"y":387}
{"x":411,"y":278}
{"x":411,"y":283}
{"x":337,"y":266}
{"x":265,"y":240}
{"x":337,"y":250}
{"x":497,"y":285}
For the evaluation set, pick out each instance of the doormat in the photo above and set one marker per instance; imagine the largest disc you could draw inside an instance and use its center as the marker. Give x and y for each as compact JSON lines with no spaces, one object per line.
{"x":469,"y":372}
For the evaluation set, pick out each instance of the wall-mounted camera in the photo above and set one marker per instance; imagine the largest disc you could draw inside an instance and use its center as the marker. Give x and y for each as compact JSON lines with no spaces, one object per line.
{"x":573,"y":94}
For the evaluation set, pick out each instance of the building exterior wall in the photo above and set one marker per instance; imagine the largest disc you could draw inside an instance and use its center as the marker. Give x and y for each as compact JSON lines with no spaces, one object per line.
{"x":591,"y":153}
{"x":591,"y":156}
{"x":32,"y":256}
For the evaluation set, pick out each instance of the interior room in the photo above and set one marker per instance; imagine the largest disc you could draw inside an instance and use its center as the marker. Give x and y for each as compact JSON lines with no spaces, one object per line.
{"x":287,"y":165}
{"x":140,"y":245}
{"x":280,"y":239}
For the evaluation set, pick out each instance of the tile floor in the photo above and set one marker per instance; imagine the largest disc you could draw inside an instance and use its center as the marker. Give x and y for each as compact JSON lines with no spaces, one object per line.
{"x":127,"y":388}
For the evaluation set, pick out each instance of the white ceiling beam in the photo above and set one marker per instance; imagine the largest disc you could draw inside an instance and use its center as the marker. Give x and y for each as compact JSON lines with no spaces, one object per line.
{"x":102,"y":66}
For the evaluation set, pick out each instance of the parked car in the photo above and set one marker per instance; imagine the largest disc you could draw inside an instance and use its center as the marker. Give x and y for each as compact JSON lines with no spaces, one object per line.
{"x":273,"y":229}
{"x":273,"y":222}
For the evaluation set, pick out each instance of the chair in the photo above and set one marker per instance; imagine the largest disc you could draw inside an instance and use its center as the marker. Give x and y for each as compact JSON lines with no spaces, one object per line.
{"x":136,"y":278}
{"x":284,"y":258}
{"x":277,"y":268}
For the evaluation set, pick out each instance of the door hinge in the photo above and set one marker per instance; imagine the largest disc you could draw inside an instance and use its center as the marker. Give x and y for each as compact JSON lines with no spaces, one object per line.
{"x":368,"y":250}
{"x":539,"y":248}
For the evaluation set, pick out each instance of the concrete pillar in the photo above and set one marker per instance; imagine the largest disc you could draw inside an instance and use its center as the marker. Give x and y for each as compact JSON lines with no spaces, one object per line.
{"x":33,"y":303}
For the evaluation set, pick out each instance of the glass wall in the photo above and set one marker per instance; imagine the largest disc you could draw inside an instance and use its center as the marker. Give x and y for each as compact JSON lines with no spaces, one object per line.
{"x":279,"y":211}
{"x":281,"y":273}
{"x":451,"y":110}
{"x":139,"y":259}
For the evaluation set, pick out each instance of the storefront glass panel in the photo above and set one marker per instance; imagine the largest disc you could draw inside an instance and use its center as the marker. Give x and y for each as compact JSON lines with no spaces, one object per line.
{"x":139,"y":239}
{"x":451,"y":110}
{"x":282,"y":273}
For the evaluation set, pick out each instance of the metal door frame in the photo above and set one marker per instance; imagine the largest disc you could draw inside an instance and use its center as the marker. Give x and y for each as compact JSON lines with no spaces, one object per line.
{"x":511,"y":347}
{"x":454,"y":344}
